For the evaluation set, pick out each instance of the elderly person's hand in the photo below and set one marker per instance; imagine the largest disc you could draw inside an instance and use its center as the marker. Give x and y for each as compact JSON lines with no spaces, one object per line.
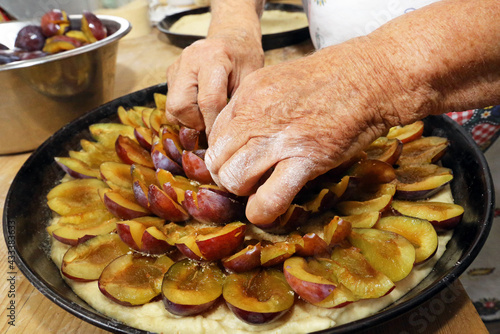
{"x":210,"y":70}
{"x":299,"y":119}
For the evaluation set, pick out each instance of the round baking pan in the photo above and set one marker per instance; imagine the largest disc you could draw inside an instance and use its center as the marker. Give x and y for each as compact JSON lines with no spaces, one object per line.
{"x":26,"y":215}
{"x":269,"y":41}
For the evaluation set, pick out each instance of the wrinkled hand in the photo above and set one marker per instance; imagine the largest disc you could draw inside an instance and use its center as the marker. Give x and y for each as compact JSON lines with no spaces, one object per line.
{"x":206,"y":74}
{"x":296,"y":120}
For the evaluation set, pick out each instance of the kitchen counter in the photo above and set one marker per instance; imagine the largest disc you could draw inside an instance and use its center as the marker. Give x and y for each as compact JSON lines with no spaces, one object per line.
{"x":142,"y":62}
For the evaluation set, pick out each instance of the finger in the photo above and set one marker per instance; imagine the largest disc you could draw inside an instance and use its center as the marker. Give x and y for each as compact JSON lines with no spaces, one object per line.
{"x":241,"y":173}
{"x":182,"y":97}
{"x":212,"y":93}
{"x":226,"y":137}
{"x":273,"y":198}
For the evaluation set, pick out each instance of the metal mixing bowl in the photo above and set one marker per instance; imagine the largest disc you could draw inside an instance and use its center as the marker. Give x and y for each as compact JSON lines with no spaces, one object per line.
{"x":39,"y":96}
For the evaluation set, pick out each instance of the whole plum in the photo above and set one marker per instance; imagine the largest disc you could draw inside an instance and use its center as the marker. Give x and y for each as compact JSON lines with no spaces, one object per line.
{"x":30,"y":38}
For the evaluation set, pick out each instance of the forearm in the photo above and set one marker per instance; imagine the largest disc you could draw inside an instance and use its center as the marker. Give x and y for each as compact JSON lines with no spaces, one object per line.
{"x":443,"y":57}
{"x":236,"y":17}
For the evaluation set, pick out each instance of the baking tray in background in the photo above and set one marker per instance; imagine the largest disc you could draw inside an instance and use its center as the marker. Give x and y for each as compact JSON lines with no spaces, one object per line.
{"x":269,"y":41}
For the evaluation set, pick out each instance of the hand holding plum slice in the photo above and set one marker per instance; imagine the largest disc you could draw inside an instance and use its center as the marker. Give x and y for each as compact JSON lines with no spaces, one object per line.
{"x":387,"y":252}
{"x":76,"y":196}
{"x":416,"y":182}
{"x":357,"y":275}
{"x":419,"y":232}
{"x":295,"y":216}
{"x":385,"y":149}
{"x":327,"y":197}
{"x":425,"y":150}
{"x":130,"y":152}
{"x":443,"y":216}
{"x":142,"y":238}
{"x":86,"y":261}
{"x":190,"y":287}
{"x":258,"y":296}
{"x":407,"y":133}
{"x":213,"y":207}
{"x":76,"y":168}
{"x":132,"y":279}
{"x":76,"y":234}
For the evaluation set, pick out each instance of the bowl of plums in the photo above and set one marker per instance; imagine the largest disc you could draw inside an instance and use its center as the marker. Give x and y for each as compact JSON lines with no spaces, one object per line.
{"x":117,"y":220}
{"x":52,"y":70}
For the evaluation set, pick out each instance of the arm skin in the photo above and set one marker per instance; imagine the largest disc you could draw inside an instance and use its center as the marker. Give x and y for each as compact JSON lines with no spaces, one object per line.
{"x":210,"y":70}
{"x":301,"y":118}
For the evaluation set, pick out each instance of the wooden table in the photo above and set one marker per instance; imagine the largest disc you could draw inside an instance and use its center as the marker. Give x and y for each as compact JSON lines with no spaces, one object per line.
{"x":142,"y":62}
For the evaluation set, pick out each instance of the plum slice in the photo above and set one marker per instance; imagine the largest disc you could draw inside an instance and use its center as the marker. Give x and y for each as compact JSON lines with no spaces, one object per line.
{"x":327,"y":197}
{"x":108,"y":133}
{"x":245,"y":260}
{"x":294,"y":217}
{"x":116,"y":175}
{"x":171,"y":143}
{"x":92,"y":27}
{"x":195,"y":168}
{"x":54,"y":22}
{"x":213,"y":207}
{"x":76,"y":234}
{"x":356,"y":274}
{"x":191,"y":139}
{"x":337,"y":231}
{"x":162,"y":161}
{"x":133,"y":279}
{"x":425,"y":150}
{"x":59,"y":43}
{"x":76,"y":196}
{"x":387,"y":252}
{"x":371,"y":171}
{"x":385,"y":149}
{"x":76,"y":168}
{"x":415,"y":182}
{"x":363,"y":220}
{"x":157,"y":117}
{"x":276,"y":253}
{"x":443,"y":216}
{"x":309,"y":244}
{"x":143,"y":238}
{"x":368,"y":198}
{"x":86,"y":261}
{"x":132,"y":117}
{"x":130,"y":152}
{"x":144,"y":137}
{"x":258,"y":296}
{"x":419,"y":232}
{"x":190,"y":287}
{"x":407,"y":133}
{"x":164,"y":206}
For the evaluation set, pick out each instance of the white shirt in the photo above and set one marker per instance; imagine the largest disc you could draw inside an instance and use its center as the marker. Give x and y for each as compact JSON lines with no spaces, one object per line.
{"x":336,"y":21}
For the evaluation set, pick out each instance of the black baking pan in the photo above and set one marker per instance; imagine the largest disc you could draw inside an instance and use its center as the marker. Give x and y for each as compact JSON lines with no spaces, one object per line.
{"x":26,"y":215}
{"x":269,"y":41}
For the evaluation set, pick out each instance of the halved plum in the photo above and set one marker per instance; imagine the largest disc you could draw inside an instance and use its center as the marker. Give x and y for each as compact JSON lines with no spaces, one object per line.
{"x":76,"y":168}
{"x":415,"y":182}
{"x":209,"y":206}
{"x":134,"y":279}
{"x":443,"y":216}
{"x":407,"y":133}
{"x":387,"y":252}
{"x":385,"y":149}
{"x":425,"y":150}
{"x":419,"y":232}
{"x":356,"y":274}
{"x":245,"y":260}
{"x":76,"y":234}
{"x":258,"y":296}
{"x":86,"y":261}
{"x":76,"y":196}
{"x":132,"y":153}
{"x":369,"y":198}
{"x":195,"y":168}
{"x":337,"y":231}
{"x":191,"y":287}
